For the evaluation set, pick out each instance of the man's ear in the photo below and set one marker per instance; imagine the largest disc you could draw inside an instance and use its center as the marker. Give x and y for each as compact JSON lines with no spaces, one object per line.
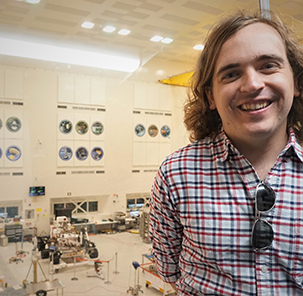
{"x":210,"y":98}
{"x":296,"y":90}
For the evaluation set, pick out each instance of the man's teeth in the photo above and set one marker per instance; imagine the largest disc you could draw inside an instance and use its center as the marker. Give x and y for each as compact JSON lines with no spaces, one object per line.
{"x":253,"y":107}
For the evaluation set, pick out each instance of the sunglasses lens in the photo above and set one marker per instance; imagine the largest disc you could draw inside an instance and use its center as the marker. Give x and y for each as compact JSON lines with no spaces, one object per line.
{"x":262,"y":235}
{"x":265,"y":197}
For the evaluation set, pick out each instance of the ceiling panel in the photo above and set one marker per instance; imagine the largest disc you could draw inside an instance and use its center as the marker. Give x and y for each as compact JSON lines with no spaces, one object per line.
{"x":185,"y":21}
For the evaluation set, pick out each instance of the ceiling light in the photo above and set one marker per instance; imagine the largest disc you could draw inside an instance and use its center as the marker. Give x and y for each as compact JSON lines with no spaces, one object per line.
{"x":32,"y":1}
{"x":167,"y":40}
{"x":124,"y":32}
{"x":198,"y":47}
{"x":45,"y":52}
{"x":156,"y":38}
{"x":109,"y":29}
{"x":87,"y":25}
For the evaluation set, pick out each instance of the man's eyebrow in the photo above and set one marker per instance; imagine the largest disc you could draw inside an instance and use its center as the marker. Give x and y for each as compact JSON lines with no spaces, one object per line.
{"x":270,"y":57}
{"x":227,"y":67}
{"x":258,"y":59}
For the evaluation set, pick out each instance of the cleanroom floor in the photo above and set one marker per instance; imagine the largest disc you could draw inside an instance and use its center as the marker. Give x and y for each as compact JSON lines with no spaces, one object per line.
{"x":118,"y":250}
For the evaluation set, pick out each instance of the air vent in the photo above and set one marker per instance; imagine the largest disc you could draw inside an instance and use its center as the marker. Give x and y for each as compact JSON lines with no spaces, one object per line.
{"x":17,"y":174}
{"x":135,"y":171}
{"x":18,"y":103}
{"x":101,"y":109}
{"x":4,"y":174}
{"x":5,"y":102}
{"x":153,"y":113}
{"x":61,"y":107}
{"x":167,"y":114}
{"x":137,"y":112}
{"x":83,"y":172}
{"x":150,"y":171}
{"x":60,"y":173}
{"x":100,"y":172}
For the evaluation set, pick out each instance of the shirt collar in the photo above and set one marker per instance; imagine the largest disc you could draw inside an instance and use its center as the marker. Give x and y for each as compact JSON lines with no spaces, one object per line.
{"x":225,"y":149}
{"x":292,"y":147}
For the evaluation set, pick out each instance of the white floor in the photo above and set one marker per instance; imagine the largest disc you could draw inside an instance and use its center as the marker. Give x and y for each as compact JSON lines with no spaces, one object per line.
{"x":120,"y":250}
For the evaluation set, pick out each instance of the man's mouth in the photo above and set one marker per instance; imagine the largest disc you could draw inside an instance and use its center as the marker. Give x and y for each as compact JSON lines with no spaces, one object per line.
{"x":254,"y":107}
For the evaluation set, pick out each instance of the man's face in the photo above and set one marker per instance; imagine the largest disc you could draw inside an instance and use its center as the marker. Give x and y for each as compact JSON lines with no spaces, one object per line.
{"x":253,"y":85}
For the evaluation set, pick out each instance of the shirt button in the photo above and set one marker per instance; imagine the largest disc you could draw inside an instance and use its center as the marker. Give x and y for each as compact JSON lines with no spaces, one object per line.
{"x":250,"y":178}
{"x":264,"y":268}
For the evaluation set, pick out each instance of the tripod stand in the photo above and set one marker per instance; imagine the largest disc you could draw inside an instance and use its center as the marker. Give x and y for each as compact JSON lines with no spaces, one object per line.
{"x":34,"y":264}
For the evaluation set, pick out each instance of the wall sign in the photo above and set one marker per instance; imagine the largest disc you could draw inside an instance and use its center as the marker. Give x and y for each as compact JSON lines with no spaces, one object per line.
{"x":81,"y":153}
{"x":82,"y":127}
{"x":13,"y":153}
{"x":165,"y":131}
{"x":97,"y":153}
{"x":65,"y":153}
{"x":140,"y":130}
{"x":153,"y":131}
{"x":97,"y":128}
{"x":13,"y":124}
{"x":65,"y":126}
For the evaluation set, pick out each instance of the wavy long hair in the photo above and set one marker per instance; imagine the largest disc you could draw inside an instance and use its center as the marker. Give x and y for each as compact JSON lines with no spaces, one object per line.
{"x":199,"y":119}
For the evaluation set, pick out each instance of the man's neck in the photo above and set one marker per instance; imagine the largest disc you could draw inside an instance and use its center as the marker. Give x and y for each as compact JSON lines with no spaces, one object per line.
{"x":262,"y":153}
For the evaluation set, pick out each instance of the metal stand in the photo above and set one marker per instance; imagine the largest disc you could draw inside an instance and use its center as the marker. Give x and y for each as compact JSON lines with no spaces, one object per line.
{"x":137,"y":288}
{"x":116,"y":263}
{"x":107,"y":282}
{"x":35,"y":263}
{"x":74,"y":278}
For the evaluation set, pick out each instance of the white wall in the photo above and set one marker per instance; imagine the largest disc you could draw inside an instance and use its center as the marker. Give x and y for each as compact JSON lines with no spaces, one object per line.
{"x":37,"y":89}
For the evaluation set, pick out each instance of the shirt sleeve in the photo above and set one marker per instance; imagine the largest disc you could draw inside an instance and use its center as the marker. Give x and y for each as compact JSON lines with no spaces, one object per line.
{"x":165,"y":230}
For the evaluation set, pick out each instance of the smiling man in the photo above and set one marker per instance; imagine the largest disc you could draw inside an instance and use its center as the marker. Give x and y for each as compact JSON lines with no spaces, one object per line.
{"x":253,"y":90}
{"x":226,"y":211}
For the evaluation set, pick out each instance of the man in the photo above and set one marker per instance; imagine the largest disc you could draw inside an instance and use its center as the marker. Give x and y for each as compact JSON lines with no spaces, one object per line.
{"x":226,"y":211}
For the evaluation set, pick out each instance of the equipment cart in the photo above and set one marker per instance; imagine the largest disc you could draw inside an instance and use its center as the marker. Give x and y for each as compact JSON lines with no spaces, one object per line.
{"x":154,"y":280}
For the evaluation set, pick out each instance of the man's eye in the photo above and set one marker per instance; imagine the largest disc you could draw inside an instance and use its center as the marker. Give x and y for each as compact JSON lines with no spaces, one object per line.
{"x":230,"y":75}
{"x":270,"y":66}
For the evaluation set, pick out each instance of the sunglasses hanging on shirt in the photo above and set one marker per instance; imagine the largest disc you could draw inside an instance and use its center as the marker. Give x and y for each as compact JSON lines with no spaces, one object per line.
{"x":262,"y":232}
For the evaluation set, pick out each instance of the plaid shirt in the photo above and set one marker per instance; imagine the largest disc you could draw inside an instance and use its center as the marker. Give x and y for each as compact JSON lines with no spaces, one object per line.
{"x":202,"y":214}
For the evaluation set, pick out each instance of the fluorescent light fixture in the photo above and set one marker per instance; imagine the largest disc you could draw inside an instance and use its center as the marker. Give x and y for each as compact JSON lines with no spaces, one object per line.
{"x":156,"y":38}
{"x":87,"y":25}
{"x":167,"y":40}
{"x":45,"y":52}
{"x":124,"y":32}
{"x":32,"y":1}
{"x":109,"y":29}
{"x":198,"y":47}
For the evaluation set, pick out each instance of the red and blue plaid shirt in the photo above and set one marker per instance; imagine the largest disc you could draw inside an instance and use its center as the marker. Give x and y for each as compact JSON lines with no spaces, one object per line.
{"x":202,"y":214}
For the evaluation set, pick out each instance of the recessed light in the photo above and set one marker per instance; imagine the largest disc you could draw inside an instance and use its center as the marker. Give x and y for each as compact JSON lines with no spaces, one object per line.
{"x":87,"y":25}
{"x":124,"y":32}
{"x":198,"y":47}
{"x":167,"y":40}
{"x":109,"y":29}
{"x":32,"y":1}
{"x":156,"y":38}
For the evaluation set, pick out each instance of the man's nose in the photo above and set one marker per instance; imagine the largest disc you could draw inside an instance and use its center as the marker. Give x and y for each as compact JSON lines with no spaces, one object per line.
{"x":251,"y":81}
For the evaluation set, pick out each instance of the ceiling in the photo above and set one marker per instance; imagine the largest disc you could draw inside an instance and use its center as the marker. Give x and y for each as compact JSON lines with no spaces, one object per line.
{"x":185,"y":21}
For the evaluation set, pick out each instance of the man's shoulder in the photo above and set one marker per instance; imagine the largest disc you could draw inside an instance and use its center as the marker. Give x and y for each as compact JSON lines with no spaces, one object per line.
{"x":196,"y":150}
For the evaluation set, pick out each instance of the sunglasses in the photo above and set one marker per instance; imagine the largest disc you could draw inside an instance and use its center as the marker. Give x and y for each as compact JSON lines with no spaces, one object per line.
{"x":262,"y":232}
